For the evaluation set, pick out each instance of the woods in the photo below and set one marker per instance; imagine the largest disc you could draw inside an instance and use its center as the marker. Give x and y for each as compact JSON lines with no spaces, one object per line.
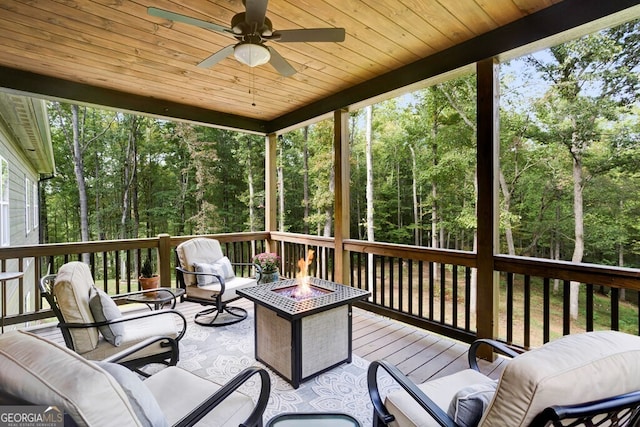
{"x":569,"y":183}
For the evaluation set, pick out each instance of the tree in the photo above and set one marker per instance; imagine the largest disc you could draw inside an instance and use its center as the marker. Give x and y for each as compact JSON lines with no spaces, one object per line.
{"x":590,"y":80}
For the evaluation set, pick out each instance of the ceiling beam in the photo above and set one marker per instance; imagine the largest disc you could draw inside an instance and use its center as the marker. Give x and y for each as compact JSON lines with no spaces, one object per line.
{"x":546,"y":23}
{"x":59,"y":89}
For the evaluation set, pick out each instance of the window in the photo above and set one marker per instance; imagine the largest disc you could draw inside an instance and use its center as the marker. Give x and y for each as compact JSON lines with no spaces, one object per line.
{"x":4,"y":202}
{"x":28,"y":197}
{"x":36,"y":206}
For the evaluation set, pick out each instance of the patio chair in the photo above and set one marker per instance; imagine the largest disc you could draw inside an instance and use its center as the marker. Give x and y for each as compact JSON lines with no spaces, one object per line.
{"x":93,"y":326}
{"x":208,"y":278}
{"x":588,"y":379}
{"x":36,"y":371}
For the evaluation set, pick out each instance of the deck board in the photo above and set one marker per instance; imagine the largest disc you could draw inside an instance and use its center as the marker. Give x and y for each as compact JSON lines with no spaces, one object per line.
{"x":419,"y":354}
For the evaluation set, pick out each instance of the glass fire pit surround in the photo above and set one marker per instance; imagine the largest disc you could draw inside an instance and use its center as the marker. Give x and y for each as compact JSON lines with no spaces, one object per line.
{"x":300,"y":338}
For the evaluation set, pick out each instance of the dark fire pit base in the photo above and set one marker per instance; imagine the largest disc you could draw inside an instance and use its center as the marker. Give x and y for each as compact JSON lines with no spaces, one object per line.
{"x":300,"y":341}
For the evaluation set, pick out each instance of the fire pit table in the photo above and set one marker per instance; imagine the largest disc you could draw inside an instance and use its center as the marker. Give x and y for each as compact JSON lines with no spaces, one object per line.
{"x":298,"y":336}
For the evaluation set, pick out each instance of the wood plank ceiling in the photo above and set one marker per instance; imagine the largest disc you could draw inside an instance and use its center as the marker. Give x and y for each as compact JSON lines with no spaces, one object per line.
{"x":113,"y":53}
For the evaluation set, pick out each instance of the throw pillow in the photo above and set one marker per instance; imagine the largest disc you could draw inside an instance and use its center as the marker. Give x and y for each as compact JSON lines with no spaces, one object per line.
{"x":103,"y":309}
{"x":208,"y":279}
{"x":225,"y":267}
{"x":468,"y":404}
{"x":142,"y":400}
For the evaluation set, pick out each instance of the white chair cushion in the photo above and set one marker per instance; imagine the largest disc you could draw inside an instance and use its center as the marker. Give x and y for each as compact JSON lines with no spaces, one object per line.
{"x":193,"y":391}
{"x":197,"y":250}
{"x":136,"y":331}
{"x":72,"y":290}
{"x":572,"y":369}
{"x":44,"y":373}
{"x":231,"y":286}
{"x":409,"y":413}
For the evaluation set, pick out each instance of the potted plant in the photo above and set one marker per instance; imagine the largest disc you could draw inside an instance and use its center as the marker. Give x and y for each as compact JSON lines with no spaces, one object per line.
{"x":269,"y":263}
{"x":148,"y":279}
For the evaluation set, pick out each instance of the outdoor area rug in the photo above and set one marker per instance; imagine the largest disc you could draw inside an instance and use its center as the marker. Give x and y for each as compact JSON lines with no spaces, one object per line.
{"x":220,"y":353}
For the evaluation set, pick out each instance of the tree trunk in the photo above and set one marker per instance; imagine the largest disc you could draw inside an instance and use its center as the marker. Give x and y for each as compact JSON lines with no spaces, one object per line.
{"x":578,"y":213}
{"x":507,"y":205}
{"x":369,"y":195}
{"x":414,"y":188}
{"x":78,"y":167}
{"x":305,"y":177}
{"x":252,"y":192}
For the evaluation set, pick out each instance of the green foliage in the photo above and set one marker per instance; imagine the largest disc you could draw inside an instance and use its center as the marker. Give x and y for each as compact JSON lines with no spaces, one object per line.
{"x":189,"y":179}
{"x":147,"y":269}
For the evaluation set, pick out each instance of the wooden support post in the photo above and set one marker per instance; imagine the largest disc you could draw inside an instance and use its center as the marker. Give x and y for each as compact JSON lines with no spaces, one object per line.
{"x":487,"y":207}
{"x":164,"y":259}
{"x":342,"y":195}
{"x":270,"y":187}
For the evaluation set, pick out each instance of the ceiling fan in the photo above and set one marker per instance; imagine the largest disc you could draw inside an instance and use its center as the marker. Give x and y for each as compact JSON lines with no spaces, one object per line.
{"x":252,"y":29}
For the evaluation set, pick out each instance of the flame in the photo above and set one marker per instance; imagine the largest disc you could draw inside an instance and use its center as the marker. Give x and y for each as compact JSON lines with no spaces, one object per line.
{"x":304,"y":289}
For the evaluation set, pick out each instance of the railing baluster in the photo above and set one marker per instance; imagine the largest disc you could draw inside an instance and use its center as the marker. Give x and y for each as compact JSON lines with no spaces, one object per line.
{"x":420,"y":288}
{"x":527,"y":311}
{"x":431,"y":289}
{"x":467,"y":299}
{"x":566,"y":308}
{"x":546,"y":304}
{"x":589,"y":307}
{"x":510,"y":308}
{"x":410,"y":286}
{"x":443,"y":291}
{"x":454,"y":295}
{"x":615,"y":309}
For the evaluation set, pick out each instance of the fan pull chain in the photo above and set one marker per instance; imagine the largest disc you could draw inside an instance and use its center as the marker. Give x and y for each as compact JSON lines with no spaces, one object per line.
{"x":253,"y":88}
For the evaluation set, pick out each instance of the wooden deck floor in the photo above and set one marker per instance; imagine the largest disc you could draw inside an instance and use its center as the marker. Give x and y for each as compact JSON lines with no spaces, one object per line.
{"x":419,"y":354}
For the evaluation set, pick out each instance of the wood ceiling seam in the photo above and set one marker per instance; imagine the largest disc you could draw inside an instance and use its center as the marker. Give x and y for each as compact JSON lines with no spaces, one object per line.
{"x":476,"y":20}
{"x":440,"y":18}
{"x":302,"y":56}
{"x":501,"y":12}
{"x":304,"y":52}
{"x":181,"y":65}
{"x":133,"y":85}
{"x":170,"y":76}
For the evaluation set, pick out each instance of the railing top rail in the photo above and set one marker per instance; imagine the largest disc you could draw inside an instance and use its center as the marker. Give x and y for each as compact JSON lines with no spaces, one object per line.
{"x":594,"y":274}
{"x":445,"y":256}
{"x":224,"y":238}
{"x":305,"y":239}
{"x":50,"y":249}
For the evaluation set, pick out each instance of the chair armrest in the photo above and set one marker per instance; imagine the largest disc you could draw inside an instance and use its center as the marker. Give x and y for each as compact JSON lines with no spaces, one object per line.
{"x":255,"y":419}
{"x":496,"y":345}
{"x":418,"y":395}
{"x":620,"y":410}
{"x":165,"y":341}
{"x":129,"y":318}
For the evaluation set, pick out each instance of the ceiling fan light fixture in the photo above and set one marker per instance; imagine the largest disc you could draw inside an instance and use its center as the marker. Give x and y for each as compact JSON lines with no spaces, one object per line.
{"x":251,"y":54}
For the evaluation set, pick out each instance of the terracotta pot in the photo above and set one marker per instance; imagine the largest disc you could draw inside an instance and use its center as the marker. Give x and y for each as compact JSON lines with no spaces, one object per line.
{"x":149,"y":283}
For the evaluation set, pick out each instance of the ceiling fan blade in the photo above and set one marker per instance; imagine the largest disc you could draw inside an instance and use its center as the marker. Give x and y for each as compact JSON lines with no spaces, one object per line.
{"x":280,"y":64}
{"x":216,"y":57}
{"x":256,"y":11}
{"x":172,"y":16}
{"x":310,"y":35}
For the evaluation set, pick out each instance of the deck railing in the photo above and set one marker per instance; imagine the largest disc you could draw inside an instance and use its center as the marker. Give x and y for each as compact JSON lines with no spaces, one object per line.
{"x":430,"y":288}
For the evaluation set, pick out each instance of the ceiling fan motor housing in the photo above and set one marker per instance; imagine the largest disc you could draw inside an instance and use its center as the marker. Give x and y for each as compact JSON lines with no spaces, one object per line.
{"x":241,"y":27}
